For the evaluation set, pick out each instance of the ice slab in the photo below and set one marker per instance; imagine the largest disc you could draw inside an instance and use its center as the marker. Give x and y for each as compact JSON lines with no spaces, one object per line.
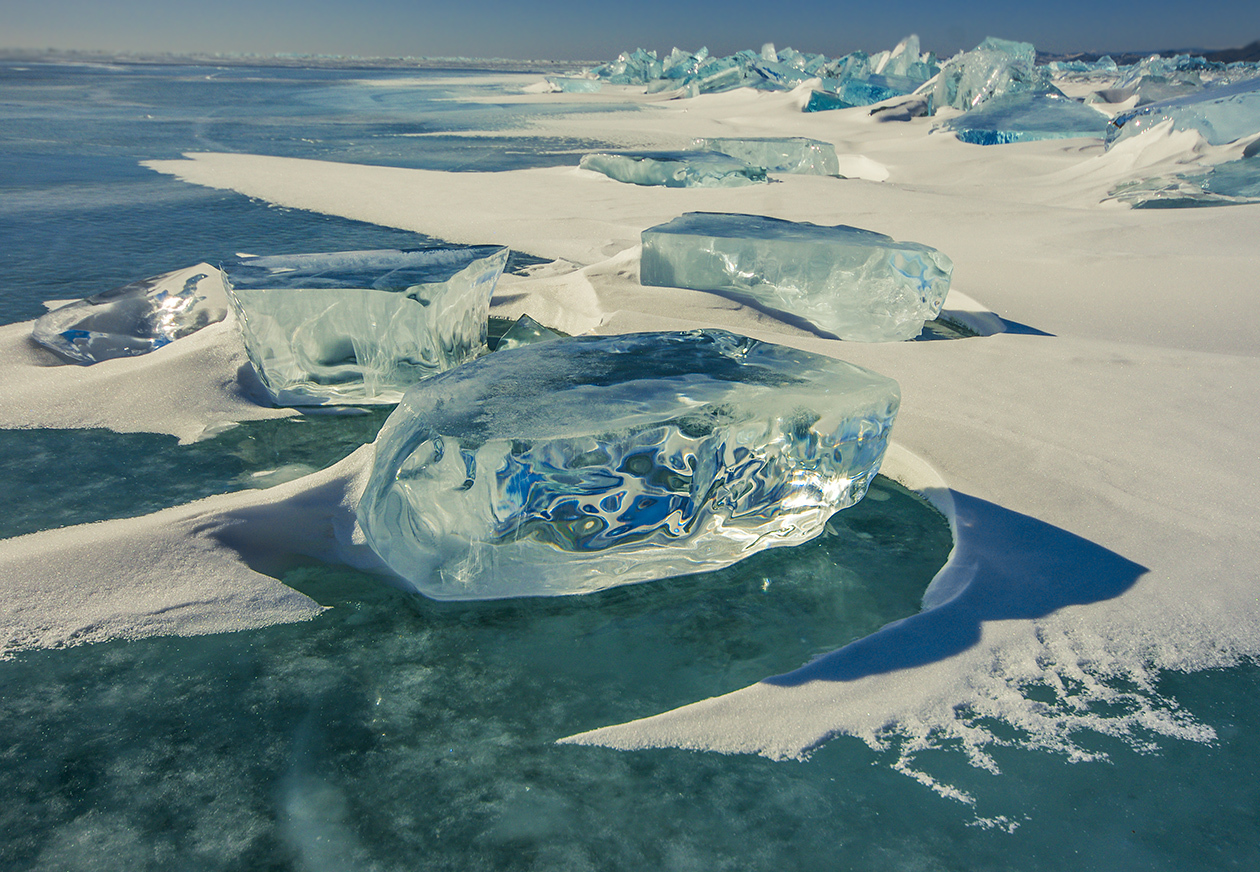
{"x":359,"y":327}
{"x":854,"y":283}
{"x":675,"y":169}
{"x":583,"y":463}
{"x":526,"y":331}
{"x":991,"y":69}
{"x":1221,"y":113}
{"x":1228,"y":184}
{"x":1026,"y":117}
{"x":135,"y":318}
{"x":825,"y":101}
{"x":779,"y":155}
{"x":574,"y":84}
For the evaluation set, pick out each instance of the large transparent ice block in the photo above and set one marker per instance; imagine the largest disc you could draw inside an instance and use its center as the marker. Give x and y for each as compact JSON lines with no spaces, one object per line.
{"x":135,"y":318}
{"x":1026,"y":117}
{"x":360,"y":327}
{"x":854,"y":283}
{"x":675,"y":169}
{"x":582,"y":463}
{"x":1222,"y":113}
{"x":993,"y":68}
{"x":795,"y":154}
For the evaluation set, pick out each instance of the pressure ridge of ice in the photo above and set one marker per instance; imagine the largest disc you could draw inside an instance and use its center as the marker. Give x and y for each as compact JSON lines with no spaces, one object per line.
{"x":359,"y":327}
{"x":853,"y":283}
{"x":578,"y":464}
{"x":136,"y":318}
{"x":1221,"y":113}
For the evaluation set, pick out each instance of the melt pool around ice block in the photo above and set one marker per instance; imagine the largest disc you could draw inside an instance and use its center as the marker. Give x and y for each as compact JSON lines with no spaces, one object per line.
{"x":578,"y":464}
{"x":854,"y":283}
{"x":675,"y":169}
{"x":136,"y":318}
{"x":359,"y":327}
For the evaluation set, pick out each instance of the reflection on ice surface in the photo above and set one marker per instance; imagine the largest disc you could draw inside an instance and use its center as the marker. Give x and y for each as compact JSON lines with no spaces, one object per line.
{"x":135,"y":318}
{"x":675,"y":169}
{"x":578,"y":464}
{"x":1024,"y":117}
{"x":795,"y":154}
{"x":1222,"y":114}
{"x":359,"y":327}
{"x":854,"y":283}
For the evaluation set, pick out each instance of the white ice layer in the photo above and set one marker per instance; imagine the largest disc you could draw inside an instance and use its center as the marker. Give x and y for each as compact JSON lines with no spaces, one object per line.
{"x":854,"y":283}
{"x":135,"y":318}
{"x":796,"y":154}
{"x":578,"y":464}
{"x":359,"y":327}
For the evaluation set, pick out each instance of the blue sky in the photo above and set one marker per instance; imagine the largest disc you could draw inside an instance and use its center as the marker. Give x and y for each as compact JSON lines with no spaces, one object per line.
{"x":570,"y":29}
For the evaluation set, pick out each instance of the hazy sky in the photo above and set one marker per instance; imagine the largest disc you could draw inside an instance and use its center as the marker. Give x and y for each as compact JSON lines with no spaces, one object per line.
{"x":586,"y":30}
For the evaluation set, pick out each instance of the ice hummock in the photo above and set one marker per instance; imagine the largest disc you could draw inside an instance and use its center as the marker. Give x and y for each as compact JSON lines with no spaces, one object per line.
{"x":675,"y":169}
{"x":993,"y":68}
{"x":1025,"y":117}
{"x":578,"y":464}
{"x":1221,"y":113}
{"x":1232,"y":183}
{"x":795,"y":154}
{"x":857,"y":284}
{"x":135,"y":318}
{"x":360,"y":327}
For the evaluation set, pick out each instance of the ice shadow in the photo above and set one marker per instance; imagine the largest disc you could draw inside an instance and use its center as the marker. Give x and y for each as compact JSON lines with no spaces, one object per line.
{"x":1021,"y":329}
{"x":1006,"y":566}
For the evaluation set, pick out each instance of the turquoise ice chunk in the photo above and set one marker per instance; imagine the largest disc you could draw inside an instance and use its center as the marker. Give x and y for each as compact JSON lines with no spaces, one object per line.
{"x":853,"y":283}
{"x":574,"y":84}
{"x":1233,"y":183}
{"x":360,"y":327}
{"x":578,"y":464}
{"x":824,"y":101}
{"x":1026,"y":117}
{"x":136,"y":318}
{"x":1221,"y":113}
{"x":675,"y":169}
{"x":795,"y":154}
{"x":991,"y":69}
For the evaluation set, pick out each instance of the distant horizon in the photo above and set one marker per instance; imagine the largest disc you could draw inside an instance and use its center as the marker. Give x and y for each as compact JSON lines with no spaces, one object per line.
{"x":570,"y":31}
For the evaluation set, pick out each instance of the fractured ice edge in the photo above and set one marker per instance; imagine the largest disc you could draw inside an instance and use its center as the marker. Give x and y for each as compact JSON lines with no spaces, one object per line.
{"x":136,"y":318}
{"x":1221,"y":113}
{"x":1026,"y":117}
{"x":856,"y":284}
{"x":360,"y":327}
{"x":578,"y":464}
{"x":1233,"y":183}
{"x":795,"y":154}
{"x":675,"y":169}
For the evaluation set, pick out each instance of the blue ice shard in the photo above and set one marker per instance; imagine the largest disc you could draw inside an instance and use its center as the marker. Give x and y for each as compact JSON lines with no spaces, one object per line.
{"x":675,"y":169}
{"x":1024,"y":117}
{"x":574,"y":84}
{"x":991,"y":69}
{"x":360,"y":327}
{"x":578,"y":464}
{"x":1221,"y":113}
{"x":135,"y":318}
{"x":778,"y":155}
{"x":526,"y":331}
{"x":853,"y":283}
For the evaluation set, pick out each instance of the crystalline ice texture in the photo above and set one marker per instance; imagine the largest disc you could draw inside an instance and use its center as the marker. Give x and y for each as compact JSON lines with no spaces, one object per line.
{"x":359,"y":327}
{"x":136,"y":318}
{"x":854,"y":283}
{"x":993,"y":68}
{"x":675,"y":169}
{"x":526,"y":331}
{"x":1026,"y":117}
{"x":1221,"y":113}
{"x":574,"y":84}
{"x":790,"y":155}
{"x":1228,"y":184}
{"x":822,"y":101}
{"x":583,"y":463}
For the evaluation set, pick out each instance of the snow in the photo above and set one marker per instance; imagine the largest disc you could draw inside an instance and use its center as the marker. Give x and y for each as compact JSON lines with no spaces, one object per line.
{"x":1096,"y":451}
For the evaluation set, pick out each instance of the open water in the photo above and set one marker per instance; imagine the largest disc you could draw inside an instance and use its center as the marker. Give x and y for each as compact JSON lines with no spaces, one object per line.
{"x":397,"y":733}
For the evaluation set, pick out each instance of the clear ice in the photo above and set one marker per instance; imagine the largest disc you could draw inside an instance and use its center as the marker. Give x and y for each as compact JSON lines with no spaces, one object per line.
{"x":578,"y":464}
{"x":779,"y":155}
{"x":574,"y":84}
{"x":526,"y":331}
{"x":1228,"y":184}
{"x":1221,"y":113}
{"x":1024,"y":117}
{"x":675,"y":169}
{"x":360,"y":327}
{"x":854,"y":283}
{"x":135,"y":318}
{"x":991,"y":69}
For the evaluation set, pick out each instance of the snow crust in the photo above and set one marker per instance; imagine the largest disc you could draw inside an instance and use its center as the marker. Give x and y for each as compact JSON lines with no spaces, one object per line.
{"x":1096,"y":450}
